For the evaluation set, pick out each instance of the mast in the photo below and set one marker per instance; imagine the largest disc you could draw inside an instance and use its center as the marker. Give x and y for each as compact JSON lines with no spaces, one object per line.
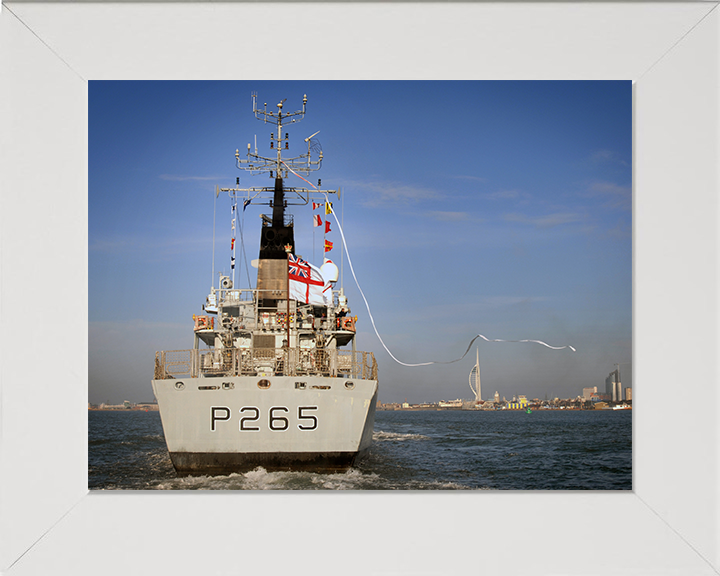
{"x":277,"y":239}
{"x":277,"y":230}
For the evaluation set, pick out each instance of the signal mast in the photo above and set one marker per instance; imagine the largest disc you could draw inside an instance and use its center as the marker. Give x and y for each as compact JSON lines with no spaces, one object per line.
{"x":278,"y":228}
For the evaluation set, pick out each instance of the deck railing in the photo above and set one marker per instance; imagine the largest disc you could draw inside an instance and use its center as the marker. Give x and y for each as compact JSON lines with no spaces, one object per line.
{"x":265,"y":361}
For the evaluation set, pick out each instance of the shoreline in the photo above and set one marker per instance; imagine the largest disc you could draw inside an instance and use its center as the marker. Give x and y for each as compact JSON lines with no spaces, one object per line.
{"x":131,"y":409}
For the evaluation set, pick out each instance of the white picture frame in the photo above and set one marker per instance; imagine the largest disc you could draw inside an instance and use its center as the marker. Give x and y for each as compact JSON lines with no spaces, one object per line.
{"x":50,"y":523}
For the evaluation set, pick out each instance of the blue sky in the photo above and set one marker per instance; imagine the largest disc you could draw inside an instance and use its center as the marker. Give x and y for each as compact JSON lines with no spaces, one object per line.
{"x":470,"y":207}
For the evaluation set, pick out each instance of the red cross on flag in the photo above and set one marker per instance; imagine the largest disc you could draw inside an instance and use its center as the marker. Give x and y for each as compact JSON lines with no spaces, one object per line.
{"x":306,"y":283}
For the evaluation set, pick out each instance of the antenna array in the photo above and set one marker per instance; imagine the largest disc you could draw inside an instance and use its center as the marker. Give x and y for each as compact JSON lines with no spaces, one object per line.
{"x":279,"y":141}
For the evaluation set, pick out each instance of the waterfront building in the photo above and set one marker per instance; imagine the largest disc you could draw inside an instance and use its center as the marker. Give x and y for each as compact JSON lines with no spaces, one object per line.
{"x":147,"y":407}
{"x":628,"y":393}
{"x":588,"y":392}
{"x":613,"y":386}
{"x":520,"y":404}
{"x":450,"y":404}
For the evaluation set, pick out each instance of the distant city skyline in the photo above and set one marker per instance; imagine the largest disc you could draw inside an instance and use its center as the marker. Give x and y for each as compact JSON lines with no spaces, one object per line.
{"x":469,"y":207}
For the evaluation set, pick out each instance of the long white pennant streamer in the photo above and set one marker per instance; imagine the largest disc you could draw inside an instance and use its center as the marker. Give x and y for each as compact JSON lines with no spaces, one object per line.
{"x":372,"y":320}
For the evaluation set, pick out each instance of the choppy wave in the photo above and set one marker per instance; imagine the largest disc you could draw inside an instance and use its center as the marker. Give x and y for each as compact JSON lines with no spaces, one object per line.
{"x":410,"y":451}
{"x":261,"y":479}
{"x":382,"y":436}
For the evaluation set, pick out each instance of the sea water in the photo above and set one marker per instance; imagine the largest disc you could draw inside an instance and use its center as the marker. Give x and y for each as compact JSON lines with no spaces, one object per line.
{"x":411,"y":450}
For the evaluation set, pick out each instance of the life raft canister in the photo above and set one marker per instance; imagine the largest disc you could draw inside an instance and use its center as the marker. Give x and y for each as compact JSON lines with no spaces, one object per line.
{"x":347,"y":323}
{"x":203,"y":322}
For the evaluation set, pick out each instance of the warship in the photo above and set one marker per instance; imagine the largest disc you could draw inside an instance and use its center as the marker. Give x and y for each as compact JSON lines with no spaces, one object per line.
{"x":274,"y":379}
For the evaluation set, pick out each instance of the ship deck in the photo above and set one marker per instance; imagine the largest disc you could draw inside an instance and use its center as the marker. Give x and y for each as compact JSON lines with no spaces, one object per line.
{"x":196,"y":363}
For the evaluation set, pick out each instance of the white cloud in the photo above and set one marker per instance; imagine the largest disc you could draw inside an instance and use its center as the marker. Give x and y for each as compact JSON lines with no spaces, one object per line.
{"x":599,"y":188}
{"x":607,"y":156}
{"x":621,"y":231}
{"x":497,"y":301}
{"x":547,"y":220}
{"x":617,"y":196}
{"x":506,"y":195}
{"x":478,"y":304}
{"x":448,"y":216}
{"x":472,"y":178}
{"x":391,"y":192}
{"x":176,"y":178}
{"x":117,"y":245}
{"x":150,"y":246}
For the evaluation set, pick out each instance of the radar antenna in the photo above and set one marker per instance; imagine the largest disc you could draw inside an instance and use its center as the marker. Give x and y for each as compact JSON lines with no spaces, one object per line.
{"x":280,"y":196}
{"x":279,"y":140}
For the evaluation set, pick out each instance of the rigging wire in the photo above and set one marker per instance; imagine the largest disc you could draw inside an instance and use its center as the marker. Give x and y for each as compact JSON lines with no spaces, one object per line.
{"x":372,"y":320}
{"x":242,"y":248}
{"x":217,"y":193}
{"x":234,"y":220}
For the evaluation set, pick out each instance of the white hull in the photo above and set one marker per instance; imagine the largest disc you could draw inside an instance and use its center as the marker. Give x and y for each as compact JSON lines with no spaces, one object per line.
{"x":229,"y":424}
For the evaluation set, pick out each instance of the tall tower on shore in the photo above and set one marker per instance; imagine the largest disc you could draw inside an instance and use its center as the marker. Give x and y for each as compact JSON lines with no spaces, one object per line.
{"x":474,"y":379}
{"x":613,"y":386}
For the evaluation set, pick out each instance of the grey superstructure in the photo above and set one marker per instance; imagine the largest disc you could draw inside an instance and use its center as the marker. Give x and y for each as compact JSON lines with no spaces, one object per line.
{"x":269,"y":381}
